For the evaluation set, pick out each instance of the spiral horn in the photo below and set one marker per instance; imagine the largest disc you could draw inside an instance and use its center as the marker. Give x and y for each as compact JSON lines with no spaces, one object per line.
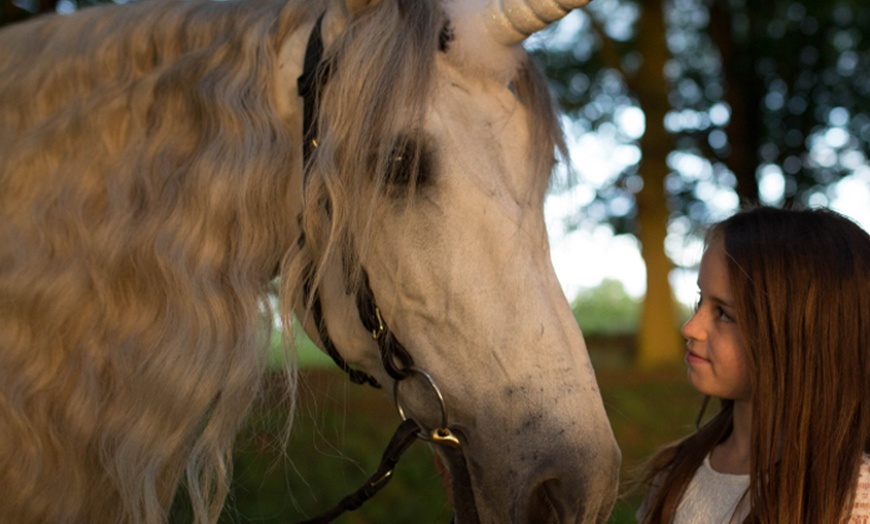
{"x":512,"y":21}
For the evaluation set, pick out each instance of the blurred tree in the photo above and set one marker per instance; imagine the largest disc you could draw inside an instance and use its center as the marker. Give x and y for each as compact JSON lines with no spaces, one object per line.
{"x":742,"y":102}
{"x":657,"y":337}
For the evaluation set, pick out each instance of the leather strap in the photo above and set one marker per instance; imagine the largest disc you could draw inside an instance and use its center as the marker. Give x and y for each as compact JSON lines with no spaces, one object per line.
{"x":404,"y":436}
{"x":356,"y":376}
{"x":394,"y":356}
{"x":315,"y":73}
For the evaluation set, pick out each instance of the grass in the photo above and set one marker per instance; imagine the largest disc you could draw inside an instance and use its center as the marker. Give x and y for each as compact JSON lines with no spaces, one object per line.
{"x":341,"y":430}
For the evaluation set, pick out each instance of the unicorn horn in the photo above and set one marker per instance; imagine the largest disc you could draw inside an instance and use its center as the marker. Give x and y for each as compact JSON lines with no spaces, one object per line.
{"x":512,"y":21}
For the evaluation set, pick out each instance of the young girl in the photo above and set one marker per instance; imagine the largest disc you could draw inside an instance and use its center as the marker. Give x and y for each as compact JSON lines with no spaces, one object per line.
{"x":781,"y":335}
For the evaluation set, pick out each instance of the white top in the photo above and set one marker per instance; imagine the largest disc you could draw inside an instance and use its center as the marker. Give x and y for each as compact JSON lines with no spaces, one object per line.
{"x":713,"y":497}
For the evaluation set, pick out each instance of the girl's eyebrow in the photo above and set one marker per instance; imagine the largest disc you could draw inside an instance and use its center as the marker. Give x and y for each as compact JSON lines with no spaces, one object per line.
{"x":719,"y":301}
{"x":722,"y":302}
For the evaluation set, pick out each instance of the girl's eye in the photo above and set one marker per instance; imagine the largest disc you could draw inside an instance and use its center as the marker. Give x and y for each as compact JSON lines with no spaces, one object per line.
{"x":722,"y":315}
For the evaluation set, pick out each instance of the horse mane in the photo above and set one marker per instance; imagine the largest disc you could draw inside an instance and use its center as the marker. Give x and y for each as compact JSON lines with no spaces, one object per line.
{"x":145,"y":175}
{"x":146,"y":206}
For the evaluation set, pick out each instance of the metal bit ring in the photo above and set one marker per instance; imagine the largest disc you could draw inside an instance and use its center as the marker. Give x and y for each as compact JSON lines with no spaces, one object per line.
{"x":439,"y":435}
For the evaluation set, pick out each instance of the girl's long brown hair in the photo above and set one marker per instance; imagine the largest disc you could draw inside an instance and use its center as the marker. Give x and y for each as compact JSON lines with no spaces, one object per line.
{"x":801,"y":284}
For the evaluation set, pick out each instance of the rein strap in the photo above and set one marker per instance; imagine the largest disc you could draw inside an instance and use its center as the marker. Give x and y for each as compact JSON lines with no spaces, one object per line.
{"x":404,"y":436}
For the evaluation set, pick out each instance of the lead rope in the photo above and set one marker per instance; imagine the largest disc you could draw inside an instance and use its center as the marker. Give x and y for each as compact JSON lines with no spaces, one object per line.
{"x":404,"y":436}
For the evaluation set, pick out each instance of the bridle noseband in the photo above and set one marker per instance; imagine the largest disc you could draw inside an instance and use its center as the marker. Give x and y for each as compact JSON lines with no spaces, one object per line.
{"x":397,"y":361}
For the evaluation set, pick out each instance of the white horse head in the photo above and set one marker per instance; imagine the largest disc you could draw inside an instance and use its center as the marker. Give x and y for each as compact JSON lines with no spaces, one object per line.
{"x":452,"y":168}
{"x":152,"y":187}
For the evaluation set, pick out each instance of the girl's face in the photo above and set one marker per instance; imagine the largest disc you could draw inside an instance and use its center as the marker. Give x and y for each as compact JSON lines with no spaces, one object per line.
{"x":715,"y":355}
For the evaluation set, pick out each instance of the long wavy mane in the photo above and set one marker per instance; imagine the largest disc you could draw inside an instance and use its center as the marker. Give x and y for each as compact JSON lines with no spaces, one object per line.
{"x":146,"y":206}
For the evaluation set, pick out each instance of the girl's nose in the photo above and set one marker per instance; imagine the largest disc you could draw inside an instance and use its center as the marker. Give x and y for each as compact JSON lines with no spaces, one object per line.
{"x":691,"y":329}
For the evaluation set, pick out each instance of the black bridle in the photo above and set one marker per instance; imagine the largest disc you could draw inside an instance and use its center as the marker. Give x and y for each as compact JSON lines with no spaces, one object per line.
{"x":315,"y":74}
{"x":397,"y":361}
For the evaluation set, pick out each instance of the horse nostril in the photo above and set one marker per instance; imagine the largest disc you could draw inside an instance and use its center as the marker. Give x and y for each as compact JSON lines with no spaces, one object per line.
{"x":542,"y":504}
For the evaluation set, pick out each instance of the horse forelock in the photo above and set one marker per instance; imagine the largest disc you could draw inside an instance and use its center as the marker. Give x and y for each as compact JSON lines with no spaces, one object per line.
{"x":371,"y":113}
{"x":382,"y":66}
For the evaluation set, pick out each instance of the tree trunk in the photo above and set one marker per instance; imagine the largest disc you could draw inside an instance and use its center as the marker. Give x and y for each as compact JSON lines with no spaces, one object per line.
{"x":743,"y":94}
{"x":659,"y":341}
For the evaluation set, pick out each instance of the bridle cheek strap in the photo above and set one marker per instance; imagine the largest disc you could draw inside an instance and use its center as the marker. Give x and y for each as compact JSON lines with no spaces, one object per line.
{"x":394,"y":356}
{"x":309,"y":85}
{"x":315,"y":73}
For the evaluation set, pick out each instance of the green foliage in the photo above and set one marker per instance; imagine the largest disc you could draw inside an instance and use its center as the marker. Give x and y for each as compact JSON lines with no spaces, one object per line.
{"x":606,"y":310}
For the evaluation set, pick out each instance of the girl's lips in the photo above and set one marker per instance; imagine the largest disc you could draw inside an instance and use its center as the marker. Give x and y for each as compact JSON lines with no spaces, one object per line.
{"x":693,"y":358}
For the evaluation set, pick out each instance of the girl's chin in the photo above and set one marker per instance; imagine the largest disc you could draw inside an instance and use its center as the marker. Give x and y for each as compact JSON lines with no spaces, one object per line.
{"x":698,"y":380}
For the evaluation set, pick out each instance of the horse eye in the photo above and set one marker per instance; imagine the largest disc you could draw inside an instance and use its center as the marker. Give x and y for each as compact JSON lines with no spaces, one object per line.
{"x":399,"y":172}
{"x":445,"y":36}
{"x":409,"y":163}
